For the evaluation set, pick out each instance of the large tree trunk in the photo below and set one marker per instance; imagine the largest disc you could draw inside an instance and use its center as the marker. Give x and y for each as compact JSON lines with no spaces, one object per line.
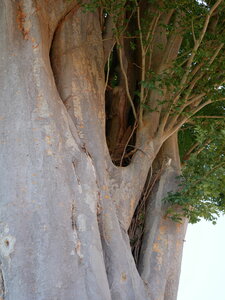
{"x":65,"y":208}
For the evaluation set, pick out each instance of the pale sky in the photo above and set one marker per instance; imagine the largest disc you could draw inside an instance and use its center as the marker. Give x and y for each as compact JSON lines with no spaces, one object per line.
{"x":203,"y":266}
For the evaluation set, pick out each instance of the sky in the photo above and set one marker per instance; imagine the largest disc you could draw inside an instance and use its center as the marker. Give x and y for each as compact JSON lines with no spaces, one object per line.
{"x":203,"y":265}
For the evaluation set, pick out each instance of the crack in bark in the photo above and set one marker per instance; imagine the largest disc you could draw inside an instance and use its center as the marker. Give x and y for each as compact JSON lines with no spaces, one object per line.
{"x":77,"y":242}
{"x":2,"y":285}
{"x":74,"y":168}
{"x":84,"y":149}
{"x":73,"y":222}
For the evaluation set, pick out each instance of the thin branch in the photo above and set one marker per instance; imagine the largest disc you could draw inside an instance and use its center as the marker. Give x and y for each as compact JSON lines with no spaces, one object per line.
{"x":195,"y":111}
{"x":193,"y":30}
{"x":184,"y":54}
{"x":142,"y":151}
{"x":143,"y":56}
{"x":136,"y":65}
{"x":210,"y":172}
{"x":108,"y":69}
{"x":174,"y":119}
{"x":219,"y":84}
{"x":202,"y":148}
{"x":152,"y":31}
{"x":190,"y":151}
{"x":184,"y":120}
{"x":150,"y":45}
{"x":192,"y":85}
{"x":139,"y":27}
{"x":191,"y":102}
{"x":125,"y":147}
{"x":218,"y":100}
{"x":187,"y":155}
{"x":128,"y":21}
{"x":210,"y":117}
{"x":177,"y":96}
{"x":126,"y":80}
{"x":198,"y":68}
{"x":189,"y":90}
{"x":198,"y":42}
{"x":216,"y":53}
{"x":124,"y":37}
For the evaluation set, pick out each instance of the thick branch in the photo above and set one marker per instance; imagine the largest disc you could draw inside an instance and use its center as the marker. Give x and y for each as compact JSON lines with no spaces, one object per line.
{"x":132,"y":181}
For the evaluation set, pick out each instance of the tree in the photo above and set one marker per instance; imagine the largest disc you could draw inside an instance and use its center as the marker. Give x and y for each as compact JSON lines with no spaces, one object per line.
{"x":93,"y":95}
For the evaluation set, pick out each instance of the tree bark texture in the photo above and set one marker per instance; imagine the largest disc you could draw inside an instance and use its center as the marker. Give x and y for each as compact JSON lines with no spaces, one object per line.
{"x":65,"y":207}
{"x":162,"y":242}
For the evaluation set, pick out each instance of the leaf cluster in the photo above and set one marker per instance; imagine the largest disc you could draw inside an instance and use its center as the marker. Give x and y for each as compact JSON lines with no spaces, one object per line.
{"x":202,"y":188}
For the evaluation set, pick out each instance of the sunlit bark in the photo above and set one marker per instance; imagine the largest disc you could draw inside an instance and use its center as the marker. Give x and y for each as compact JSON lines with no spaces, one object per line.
{"x":65,"y":207}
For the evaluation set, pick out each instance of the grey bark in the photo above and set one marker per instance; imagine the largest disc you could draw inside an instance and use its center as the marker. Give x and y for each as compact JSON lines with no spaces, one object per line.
{"x":162,"y":243}
{"x":44,"y":187}
{"x":64,"y":207}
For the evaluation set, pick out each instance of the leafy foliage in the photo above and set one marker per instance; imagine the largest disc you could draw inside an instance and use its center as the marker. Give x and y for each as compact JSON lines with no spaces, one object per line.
{"x":202,"y":190}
